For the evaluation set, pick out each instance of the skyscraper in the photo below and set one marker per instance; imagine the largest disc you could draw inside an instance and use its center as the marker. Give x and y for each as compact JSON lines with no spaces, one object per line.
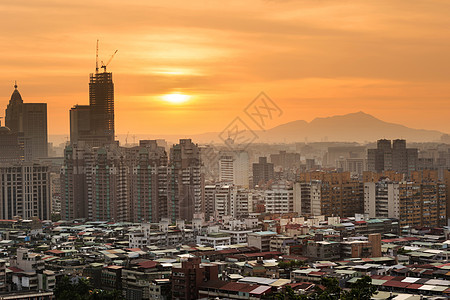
{"x":29,"y":120}
{"x":25,"y":191}
{"x":101,"y":102}
{"x":11,"y":148}
{"x":396,"y":157}
{"x":233,"y":168}
{"x":186,"y":182}
{"x":262,"y":172}
{"x":94,"y":123}
{"x":114,"y":183}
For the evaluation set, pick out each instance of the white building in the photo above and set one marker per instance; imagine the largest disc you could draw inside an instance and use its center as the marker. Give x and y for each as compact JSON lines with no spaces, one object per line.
{"x":234,"y":168}
{"x":215,"y":239}
{"x":381,"y":199}
{"x":279,"y":199}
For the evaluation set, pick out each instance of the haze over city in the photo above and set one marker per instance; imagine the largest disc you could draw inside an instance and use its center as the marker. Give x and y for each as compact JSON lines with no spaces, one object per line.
{"x":258,"y":149}
{"x":313,"y":58}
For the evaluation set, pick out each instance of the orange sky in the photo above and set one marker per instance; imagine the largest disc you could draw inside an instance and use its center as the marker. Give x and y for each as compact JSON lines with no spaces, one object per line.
{"x":314,"y":58}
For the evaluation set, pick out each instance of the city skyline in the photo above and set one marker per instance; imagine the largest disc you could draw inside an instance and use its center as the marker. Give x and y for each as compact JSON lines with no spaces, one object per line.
{"x":217,"y":59}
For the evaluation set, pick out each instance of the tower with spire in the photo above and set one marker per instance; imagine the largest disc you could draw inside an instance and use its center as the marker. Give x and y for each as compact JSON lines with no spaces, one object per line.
{"x":14,"y":111}
{"x":29,"y":121}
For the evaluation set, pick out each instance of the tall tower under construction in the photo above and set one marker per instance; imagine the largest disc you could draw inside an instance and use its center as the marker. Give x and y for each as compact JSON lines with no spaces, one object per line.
{"x":94,"y":123}
{"x":101,"y":102}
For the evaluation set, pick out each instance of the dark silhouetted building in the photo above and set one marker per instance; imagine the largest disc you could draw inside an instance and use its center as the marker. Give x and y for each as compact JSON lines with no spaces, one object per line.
{"x":94,"y":123}
{"x":262,"y":172}
{"x":395,"y":156}
{"x":11,"y":147}
{"x":101,"y":101}
{"x":29,"y":121}
{"x":80,"y":123}
{"x":186,"y":182}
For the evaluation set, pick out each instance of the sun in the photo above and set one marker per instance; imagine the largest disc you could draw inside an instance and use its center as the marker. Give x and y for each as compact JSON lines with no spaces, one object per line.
{"x":176,"y":98}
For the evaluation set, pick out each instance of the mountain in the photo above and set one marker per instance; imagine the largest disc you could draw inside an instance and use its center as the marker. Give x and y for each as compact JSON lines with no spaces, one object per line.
{"x":359,"y":127}
{"x":353,"y":127}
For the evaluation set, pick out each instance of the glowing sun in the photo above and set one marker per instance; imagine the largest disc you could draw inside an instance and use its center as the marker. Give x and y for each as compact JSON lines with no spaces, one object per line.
{"x":176,"y":98}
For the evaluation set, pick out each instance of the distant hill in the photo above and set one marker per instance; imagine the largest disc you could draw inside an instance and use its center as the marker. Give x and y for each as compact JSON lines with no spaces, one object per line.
{"x":353,"y":127}
{"x":359,"y":127}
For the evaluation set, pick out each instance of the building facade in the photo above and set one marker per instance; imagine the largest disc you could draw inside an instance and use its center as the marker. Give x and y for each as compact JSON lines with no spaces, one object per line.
{"x":25,"y":191}
{"x":29,"y":121}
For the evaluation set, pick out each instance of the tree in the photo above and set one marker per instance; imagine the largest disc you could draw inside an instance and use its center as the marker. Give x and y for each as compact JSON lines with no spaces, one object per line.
{"x":332,"y":289}
{"x":82,"y":290}
{"x":287,"y":294}
{"x":55,"y":217}
{"x":362,"y":289}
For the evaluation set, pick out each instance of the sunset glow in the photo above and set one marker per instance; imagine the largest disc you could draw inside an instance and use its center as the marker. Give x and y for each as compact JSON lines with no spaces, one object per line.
{"x":176,"y":98}
{"x":314,"y":58}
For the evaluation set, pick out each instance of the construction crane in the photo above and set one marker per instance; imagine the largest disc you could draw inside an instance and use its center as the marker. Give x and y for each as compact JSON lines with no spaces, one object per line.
{"x":96,"y":59}
{"x":105,"y":65}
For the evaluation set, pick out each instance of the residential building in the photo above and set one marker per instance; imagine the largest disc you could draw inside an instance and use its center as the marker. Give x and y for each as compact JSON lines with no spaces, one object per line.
{"x":25,"y":191}
{"x":329,"y":194}
{"x":187,"y":279}
{"x":263,"y":172}
{"x":279,"y":198}
{"x":413,"y":203}
{"x":261,"y":240}
{"x":186,"y":182}
{"x":393,"y":156}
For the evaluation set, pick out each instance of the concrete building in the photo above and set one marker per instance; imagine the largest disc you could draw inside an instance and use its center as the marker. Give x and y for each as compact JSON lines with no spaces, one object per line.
{"x":187,"y":279}
{"x":214,"y":239}
{"x":25,"y":191}
{"x":29,"y":120}
{"x":217,"y":200}
{"x":234,"y":167}
{"x":394,"y":157}
{"x":94,"y":123}
{"x":413,"y":203}
{"x":329,"y":194}
{"x":263,"y":172}
{"x":285,"y":160}
{"x":323,"y":250}
{"x":279,"y":199}
{"x":261,"y":240}
{"x":241,"y":202}
{"x":11,"y":146}
{"x":185,"y":182}
{"x":115,"y":183}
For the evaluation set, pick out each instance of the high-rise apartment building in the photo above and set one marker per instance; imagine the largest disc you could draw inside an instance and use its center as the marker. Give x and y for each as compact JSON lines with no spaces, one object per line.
{"x":263,"y":172}
{"x":279,"y":199}
{"x":285,"y":160}
{"x":413,"y":203}
{"x":115,"y":183}
{"x":217,"y":200}
{"x":148,"y":184}
{"x":185,"y":181}
{"x":187,"y":279}
{"x":393,"y":156}
{"x":233,"y":168}
{"x":329,"y":194}
{"x":25,"y":191}
{"x":29,"y":121}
